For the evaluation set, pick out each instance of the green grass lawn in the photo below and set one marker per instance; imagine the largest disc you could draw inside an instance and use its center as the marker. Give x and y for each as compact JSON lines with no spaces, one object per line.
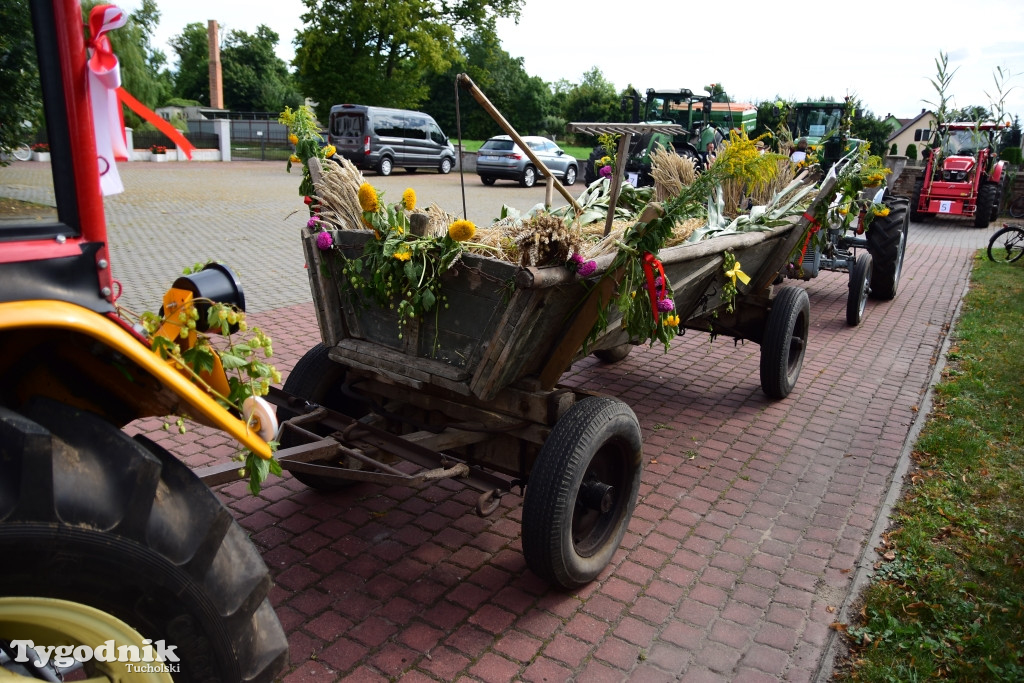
{"x":947,"y":597}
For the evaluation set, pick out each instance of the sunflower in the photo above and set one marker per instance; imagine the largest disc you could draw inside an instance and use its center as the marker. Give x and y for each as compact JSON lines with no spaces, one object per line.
{"x":461,"y":230}
{"x":368,"y":198}
{"x":409,"y":199}
{"x":330,"y":150}
{"x":403,"y":254}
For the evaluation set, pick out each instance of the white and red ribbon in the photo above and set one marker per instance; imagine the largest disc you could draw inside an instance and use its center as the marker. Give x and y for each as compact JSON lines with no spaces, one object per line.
{"x":104,"y":81}
{"x":107,"y":96}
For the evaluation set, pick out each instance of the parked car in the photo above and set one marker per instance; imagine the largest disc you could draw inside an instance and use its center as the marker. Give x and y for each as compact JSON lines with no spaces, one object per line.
{"x":501,"y":159}
{"x":381,"y":139}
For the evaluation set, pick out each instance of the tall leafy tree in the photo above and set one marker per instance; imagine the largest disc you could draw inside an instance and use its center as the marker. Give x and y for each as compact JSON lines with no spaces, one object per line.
{"x":19,"y":75}
{"x":523,"y":99}
{"x":593,"y":99}
{"x":192,"y":80}
{"x":256,"y":79}
{"x":382,"y":51}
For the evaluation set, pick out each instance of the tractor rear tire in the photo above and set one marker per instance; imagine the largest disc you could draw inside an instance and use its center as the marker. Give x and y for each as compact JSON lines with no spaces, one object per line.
{"x":986,"y":199}
{"x":95,"y":519}
{"x":887,"y":244}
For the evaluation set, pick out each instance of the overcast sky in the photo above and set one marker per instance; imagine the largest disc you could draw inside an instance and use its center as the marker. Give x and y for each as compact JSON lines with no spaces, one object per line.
{"x":757,"y":50}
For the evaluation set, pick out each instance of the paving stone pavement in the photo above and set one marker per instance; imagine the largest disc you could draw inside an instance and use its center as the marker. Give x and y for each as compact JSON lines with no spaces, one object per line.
{"x":753,"y":520}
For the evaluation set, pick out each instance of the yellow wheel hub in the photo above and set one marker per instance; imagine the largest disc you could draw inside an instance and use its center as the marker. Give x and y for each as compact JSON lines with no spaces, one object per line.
{"x":50,"y":622}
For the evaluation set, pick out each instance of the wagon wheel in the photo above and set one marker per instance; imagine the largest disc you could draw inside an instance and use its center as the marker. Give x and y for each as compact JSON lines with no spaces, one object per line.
{"x":116,"y":535}
{"x":582,"y":491}
{"x":860,"y":287}
{"x":318,"y":379}
{"x":785,"y":342}
{"x":614,"y":354}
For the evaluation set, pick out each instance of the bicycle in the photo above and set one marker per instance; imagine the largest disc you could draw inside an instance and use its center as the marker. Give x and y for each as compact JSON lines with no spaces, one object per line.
{"x":1007,"y":244}
{"x":1016,"y":207}
{"x":20,"y":151}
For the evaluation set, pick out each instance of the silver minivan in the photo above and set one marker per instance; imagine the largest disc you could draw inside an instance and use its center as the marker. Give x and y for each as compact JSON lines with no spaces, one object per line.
{"x":381,"y":139}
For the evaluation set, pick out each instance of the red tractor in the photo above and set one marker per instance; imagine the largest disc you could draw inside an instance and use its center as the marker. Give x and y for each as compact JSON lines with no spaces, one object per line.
{"x":961,"y":176}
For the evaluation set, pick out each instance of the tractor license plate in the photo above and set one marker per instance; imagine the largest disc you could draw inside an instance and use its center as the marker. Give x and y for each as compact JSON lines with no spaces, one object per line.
{"x":945,"y":207}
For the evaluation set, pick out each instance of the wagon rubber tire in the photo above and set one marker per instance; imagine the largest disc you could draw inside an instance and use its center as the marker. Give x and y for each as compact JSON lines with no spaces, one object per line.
{"x":887,"y":244}
{"x":1011,"y":248}
{"x":860,"y":288}
{"x":529,"y":177}
{"x":385,"y":166}
{"x":986,"y":198}
{"x":785,"y":341}
{"x":581,"y":492}
{"x":614,"y":354}
{"x":318,"y":379}
{"x":99,"y":519}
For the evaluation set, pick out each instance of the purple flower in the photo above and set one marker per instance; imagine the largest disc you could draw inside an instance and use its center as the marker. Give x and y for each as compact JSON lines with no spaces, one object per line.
{"x":587,"y":269}
{"x":576,"y":259}
{"x":311,"y":223}
{"x":324,"y":240}
{"x":666,"y":305}
{"x":605,"y":172}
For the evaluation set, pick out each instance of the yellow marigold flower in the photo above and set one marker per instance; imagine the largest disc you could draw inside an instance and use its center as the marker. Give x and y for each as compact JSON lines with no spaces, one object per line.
{"x":606,"y":160}
{"x":842,"y":211}
{"x":294,"y":159}
{"x":330,"y":150}
{"x":672,"y":320}
{"x":368,"y":200}
{"x":293,"y":138}
{"x":403,"y":255}
{"x":461,"y":230}
{"x":409,"y":199}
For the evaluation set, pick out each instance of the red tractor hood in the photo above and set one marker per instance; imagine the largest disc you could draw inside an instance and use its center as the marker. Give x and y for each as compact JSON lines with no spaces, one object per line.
{"x":965,"y":164}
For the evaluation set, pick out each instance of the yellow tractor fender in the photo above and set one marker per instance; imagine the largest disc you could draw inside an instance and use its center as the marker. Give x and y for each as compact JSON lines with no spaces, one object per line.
{"x":47,"y":314}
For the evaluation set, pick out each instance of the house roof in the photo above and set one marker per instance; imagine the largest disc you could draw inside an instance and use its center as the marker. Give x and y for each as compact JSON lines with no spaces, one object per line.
{"x":908,"y":123}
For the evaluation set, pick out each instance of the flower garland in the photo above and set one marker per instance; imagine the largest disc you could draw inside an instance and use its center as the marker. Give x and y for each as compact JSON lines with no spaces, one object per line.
{"x":304,"y":133}
{"x":643,"y":297}
{"x":400,"y":271}
{"x":181,"y":337}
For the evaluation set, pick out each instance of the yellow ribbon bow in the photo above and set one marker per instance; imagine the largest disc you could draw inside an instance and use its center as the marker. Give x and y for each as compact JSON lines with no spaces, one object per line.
{"x":735,"y":273}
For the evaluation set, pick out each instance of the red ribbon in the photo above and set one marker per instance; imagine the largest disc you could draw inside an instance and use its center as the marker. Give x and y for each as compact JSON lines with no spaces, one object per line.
{"x":815,"y":227}
{"x":649,"y":264}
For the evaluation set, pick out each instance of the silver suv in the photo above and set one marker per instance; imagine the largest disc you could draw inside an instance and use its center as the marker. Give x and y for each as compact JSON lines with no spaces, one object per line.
{"x":500,"y":158}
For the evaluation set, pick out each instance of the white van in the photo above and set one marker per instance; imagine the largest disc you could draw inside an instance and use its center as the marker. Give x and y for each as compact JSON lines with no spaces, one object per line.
{"x":381,"y":139}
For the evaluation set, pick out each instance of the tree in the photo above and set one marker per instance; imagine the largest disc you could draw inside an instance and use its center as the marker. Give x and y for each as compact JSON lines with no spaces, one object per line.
{"x":593,"y":99}
{"x":912,"y":152}
{"x":255,"y":78}
{"x":383,"y":51}
{"x":192,"y":80}
{"x":869,"y":127}
{"x":523,"y":99}
{"x":19,"y":75}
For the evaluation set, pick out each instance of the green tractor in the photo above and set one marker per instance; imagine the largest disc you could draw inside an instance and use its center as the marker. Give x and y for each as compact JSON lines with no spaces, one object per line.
{"x":706,"y":119}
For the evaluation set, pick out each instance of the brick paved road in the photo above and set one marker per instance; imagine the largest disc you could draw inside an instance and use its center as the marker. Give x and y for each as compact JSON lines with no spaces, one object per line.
{"x":754,"y":518}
